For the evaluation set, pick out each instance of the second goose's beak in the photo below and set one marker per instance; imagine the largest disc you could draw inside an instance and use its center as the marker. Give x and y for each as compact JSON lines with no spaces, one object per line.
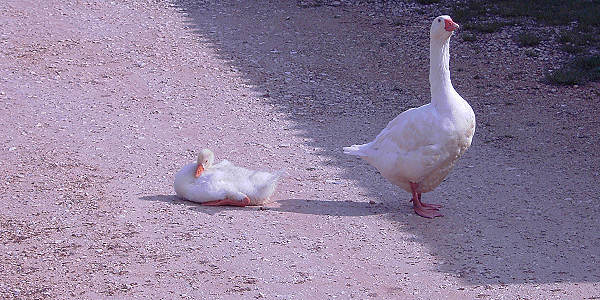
{"x":199,"y":170}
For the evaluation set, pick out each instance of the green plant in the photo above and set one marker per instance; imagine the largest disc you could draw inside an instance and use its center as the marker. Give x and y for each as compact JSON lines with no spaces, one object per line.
{"x":465,"y":12}
{"x":488,"y":27}
{"x":590,"y":65}
{"x":427,"y":1}
{"x":565,"y":77}
{"x":570,"y":48}
{"x":574,"y":37}
{"x":579,"y":70}
{"x":531,"y":53}
{"x":397,"y":22}
{"x":528,"y":39}
{"x":467,"y":37}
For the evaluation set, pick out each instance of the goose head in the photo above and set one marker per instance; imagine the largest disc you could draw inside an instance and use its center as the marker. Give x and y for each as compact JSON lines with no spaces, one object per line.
{"x":442,"y":27}
{"x":206,"y":158}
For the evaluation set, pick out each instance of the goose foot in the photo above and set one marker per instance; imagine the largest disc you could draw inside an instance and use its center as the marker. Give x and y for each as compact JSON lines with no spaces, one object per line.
{"x":431,"y":205}
{"x":425,"y":210}
{"x":428,"y":205}
{"x":226,"y":201}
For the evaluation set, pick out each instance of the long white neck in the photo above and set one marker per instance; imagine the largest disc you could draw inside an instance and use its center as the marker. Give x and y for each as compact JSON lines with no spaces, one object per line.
{"x":439,"y":71}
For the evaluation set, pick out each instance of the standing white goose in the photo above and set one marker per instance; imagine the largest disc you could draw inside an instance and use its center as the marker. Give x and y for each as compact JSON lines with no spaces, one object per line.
{"x":419,"y":147}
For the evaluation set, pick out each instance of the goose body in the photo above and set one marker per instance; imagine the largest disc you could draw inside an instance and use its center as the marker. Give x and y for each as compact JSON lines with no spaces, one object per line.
{"x":223,"y":183}
{"x":418,"y":148}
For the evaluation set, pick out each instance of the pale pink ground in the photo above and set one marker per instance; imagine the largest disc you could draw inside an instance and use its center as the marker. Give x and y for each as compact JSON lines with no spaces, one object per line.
{"x":101,"y":102}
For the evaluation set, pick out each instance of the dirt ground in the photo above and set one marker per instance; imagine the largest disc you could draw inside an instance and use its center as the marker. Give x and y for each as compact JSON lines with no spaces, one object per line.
{"x":102,"y":102}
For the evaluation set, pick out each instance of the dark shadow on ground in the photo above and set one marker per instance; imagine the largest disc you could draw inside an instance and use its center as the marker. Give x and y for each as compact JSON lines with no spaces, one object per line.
{"x":331,"y":208}
{"x":165,"y":198}
{"x":353,"y":75}
{"x":299,"y":206}
{"x":210,"y":210}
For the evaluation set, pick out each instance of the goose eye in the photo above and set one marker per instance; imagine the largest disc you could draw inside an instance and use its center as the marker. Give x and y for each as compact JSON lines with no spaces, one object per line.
{"x":439,"y":20}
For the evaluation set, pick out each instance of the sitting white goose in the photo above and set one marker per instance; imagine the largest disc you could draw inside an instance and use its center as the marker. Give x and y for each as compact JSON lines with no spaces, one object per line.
{"x":223,"y":183}
{"x":419,"y":147}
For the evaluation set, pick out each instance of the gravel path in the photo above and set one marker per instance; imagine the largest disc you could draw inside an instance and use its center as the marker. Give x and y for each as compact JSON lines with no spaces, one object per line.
{"x":102,"y":102}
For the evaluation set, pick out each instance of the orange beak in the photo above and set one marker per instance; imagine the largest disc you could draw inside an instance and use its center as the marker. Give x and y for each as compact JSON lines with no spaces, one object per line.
{"x":199,"y":171}
{"x":450,"y":25}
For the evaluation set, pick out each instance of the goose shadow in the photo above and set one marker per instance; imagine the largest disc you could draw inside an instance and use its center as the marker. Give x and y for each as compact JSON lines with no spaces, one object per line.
{"x":329,"y":208}
{"x":298,"y":206}
{"x":174,"y":200}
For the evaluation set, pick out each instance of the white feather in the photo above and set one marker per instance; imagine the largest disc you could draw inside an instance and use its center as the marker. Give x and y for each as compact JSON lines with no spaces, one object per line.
{"x":224,"y":180}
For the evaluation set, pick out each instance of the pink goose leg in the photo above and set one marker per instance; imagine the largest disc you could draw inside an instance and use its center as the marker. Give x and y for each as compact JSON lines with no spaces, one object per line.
{"x":226,"y":201}
{"x":431,"y":205}
{"x":423,"y":209}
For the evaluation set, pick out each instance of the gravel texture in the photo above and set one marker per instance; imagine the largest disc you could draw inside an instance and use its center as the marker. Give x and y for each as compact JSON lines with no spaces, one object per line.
{"x":102,"y":102}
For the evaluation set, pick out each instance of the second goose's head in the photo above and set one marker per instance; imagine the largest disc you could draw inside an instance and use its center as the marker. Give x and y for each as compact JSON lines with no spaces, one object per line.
{"x":206,"y":158}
